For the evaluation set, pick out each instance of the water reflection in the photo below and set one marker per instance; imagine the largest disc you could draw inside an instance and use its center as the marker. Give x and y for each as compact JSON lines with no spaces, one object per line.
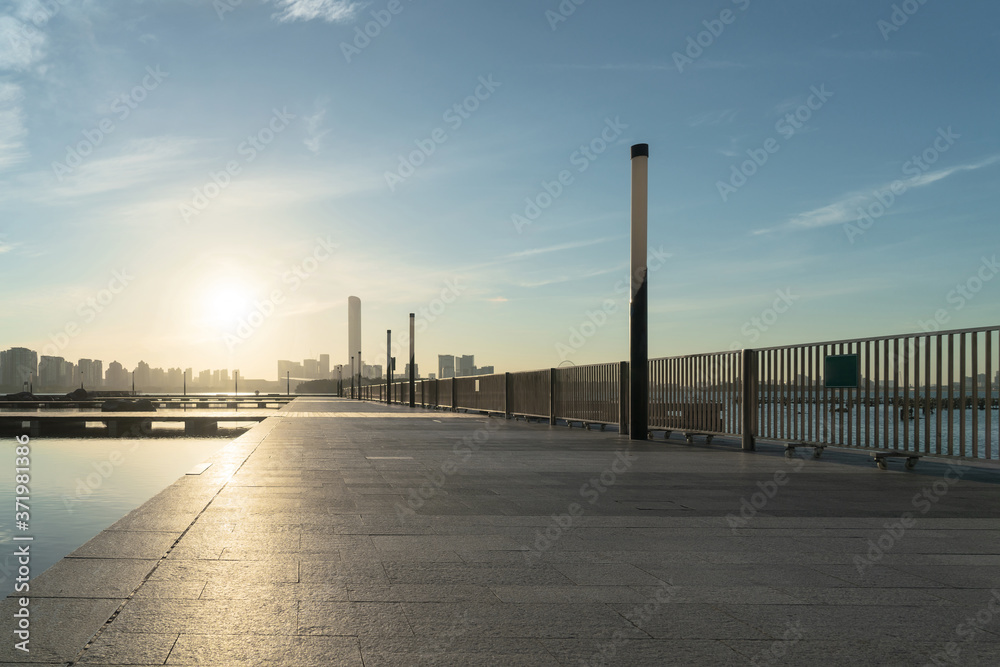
{"x":81,"y":486}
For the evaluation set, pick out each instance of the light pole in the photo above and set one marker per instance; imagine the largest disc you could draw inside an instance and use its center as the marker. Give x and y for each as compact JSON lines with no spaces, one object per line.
{"x":638,"y":313}
{"x":413,"y":371}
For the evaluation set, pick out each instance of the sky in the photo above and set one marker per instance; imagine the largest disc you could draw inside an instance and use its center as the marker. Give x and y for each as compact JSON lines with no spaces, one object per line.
{"x":200,"y":183}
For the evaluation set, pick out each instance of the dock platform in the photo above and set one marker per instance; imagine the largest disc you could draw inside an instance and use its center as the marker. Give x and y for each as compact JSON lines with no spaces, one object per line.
{"x":338,"y":532}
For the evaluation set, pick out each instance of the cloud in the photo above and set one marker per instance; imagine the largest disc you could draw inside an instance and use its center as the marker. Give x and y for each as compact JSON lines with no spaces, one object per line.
{"x":21,"y":45}
{"x":12,"y":130}
{"x":556,"y":248}
{"x":723,"y":117}
{"x":331,"y":11}
{"x":315,"y":136}
{"x":845,"y":209}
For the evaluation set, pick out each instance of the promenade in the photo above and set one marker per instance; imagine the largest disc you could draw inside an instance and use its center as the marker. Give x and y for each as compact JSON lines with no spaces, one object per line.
{"x":339,"y":532}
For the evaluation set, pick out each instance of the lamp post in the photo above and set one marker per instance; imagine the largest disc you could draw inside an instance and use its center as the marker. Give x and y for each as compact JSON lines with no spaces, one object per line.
{"x":638,"y":313}
{"x":413,"y":365}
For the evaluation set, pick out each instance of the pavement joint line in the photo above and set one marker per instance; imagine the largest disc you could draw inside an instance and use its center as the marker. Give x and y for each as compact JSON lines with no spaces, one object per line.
{"x":121,"y":607}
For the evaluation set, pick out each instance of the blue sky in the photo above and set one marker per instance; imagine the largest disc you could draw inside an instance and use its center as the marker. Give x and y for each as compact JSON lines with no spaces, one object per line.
{"x":246,"y":166}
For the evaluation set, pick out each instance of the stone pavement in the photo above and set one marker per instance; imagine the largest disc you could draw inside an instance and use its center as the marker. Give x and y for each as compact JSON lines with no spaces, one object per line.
{"x":346,"y":533}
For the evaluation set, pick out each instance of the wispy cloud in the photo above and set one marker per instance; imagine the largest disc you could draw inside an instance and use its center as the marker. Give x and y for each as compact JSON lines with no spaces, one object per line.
{"x":331,"y":11}
{"x":846,"y":208}
{"x":12,"y":130}
{"x":21,"y":44}
{"x":723,"y":117}
{"x":618,"y":67}
{"x":314,"y":138}
{"x":556,"y":248}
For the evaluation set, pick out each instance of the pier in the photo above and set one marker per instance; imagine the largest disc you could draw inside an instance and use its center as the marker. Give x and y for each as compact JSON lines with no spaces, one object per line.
{"x":341,"y":532}
{"x":202,"y":422}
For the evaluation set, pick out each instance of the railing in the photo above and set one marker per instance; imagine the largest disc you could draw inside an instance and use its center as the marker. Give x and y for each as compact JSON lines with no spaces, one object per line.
{"x":920,"y":393}
{"x":927,"y":394}
{"x":696,"y":393}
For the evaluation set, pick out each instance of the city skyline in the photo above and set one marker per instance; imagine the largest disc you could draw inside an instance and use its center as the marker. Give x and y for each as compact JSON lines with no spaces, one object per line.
{"x":803,"y":184}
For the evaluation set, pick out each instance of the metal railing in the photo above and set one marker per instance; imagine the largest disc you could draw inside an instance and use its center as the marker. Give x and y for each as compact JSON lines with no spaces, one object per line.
{"x":927,"y":394}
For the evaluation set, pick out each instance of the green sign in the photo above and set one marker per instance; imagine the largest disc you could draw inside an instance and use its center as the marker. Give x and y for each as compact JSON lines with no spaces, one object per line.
{"x":842,"y":371}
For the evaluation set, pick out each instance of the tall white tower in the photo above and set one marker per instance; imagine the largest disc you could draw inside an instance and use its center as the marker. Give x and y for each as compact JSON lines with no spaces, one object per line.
{"x":354,"y":331}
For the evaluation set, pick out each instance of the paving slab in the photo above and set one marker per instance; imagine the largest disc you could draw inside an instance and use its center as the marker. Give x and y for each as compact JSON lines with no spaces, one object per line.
{"x":342,"y":532}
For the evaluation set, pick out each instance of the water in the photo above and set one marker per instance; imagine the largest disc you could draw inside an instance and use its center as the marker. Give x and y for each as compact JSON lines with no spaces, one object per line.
{"x":80,"y":486}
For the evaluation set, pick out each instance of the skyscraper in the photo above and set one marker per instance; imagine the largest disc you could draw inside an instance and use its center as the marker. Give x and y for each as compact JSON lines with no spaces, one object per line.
{"x":17,"y":366}
{"x":324,"y":366}
{"x":354,"y":331}
{"x":446,"y":366}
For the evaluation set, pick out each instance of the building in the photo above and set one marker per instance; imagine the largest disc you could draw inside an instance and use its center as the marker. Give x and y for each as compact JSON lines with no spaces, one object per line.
{"x":142,"y":376}
{"x":310,"y":368}
{"x":116,"y":377}
{"x":485,"y":370}
{"x":18,"y":365}
{"x":291,"y":369}
{"x":354,"y":330}
{"x":67,"y":374}
{"x":416,"y":371}
{"x":446,"y":366}
{"x":50,"y":371}
{"x":465,"y":365}
{"x":91,"y":373}
{"x":324,"y":366}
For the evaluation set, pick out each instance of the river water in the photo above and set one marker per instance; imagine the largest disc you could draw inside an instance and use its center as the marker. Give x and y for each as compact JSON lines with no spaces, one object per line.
{"x":80,"y":486}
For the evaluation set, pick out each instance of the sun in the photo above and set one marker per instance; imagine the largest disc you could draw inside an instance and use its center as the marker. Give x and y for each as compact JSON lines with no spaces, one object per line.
{"x":226,"y":303}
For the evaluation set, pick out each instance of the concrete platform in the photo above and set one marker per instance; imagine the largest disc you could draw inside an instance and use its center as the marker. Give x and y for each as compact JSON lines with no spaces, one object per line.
{"x":346,"y":533}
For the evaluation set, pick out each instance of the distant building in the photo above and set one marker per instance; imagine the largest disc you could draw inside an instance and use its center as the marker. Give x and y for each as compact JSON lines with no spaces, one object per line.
{"x":465,"y":365}
{"x":91,"y":373}
{"x":446,"y":366}
{"x":377,"y":372}
{"x":485,"y":370}
{"x":431,"y":376}
{"x":50,"y":371}
{"x":416,"y":371}
{"x":310,"y":368}
{"x":143,"y":379}
{"x":324,"y":366}
{"x":116,"y":377}
{"x":17,"y":366}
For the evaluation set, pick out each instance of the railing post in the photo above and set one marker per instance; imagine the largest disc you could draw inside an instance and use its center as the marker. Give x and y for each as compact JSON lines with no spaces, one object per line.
{"x":506,"y":395}
{"x":623,"y":401}
{"x":454,"y":406}
{"x":552,"y":397}
{"x":748,"y":399}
